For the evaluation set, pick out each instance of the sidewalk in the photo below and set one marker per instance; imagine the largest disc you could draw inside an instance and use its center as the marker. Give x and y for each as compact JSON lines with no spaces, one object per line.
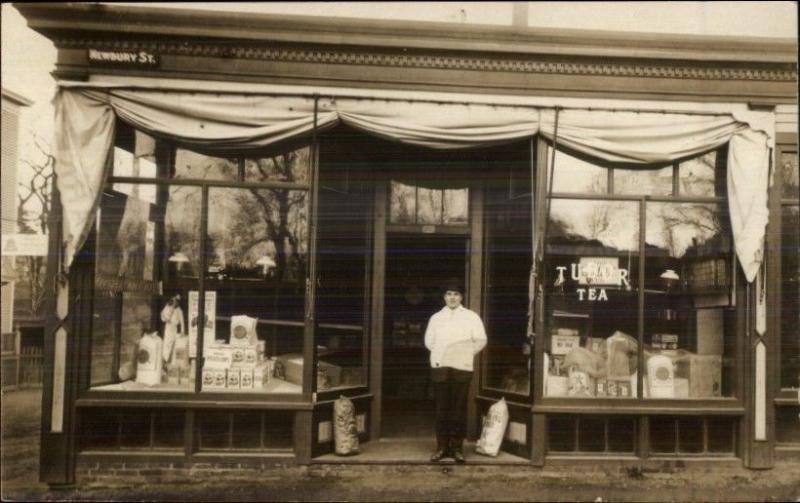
{"x":353,"y":482}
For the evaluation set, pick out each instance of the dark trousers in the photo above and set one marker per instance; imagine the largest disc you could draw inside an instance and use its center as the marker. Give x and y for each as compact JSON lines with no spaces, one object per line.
{"x":450,"y":387}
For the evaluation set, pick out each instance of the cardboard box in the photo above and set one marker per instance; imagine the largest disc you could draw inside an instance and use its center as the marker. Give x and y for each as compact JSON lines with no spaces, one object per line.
{"x":705,"y":375}
{"x":218,"y":357}
{"x":596,"y":345}
{"x":250,"y":356}
{"x":563,"y":344}
{"x":246,"y":379}
{"x":262,"y":374}
{"x":243,"y":330}
{"x":580,"y":384}
{"x":214,"y":378}
{"x":237,"y":356}
{"x":681,"y":387}
{"x":601,"y":388}
{"x":556,"y":385}
{"x":233,"y":380}
{"x":664,"y":341}
{"x":710,"y":330}
{"x":289,"y":367}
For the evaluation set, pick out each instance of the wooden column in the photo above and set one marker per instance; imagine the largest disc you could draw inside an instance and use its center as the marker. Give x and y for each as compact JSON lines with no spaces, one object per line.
{"x":475,"y":300}
{"x":376,"y":324}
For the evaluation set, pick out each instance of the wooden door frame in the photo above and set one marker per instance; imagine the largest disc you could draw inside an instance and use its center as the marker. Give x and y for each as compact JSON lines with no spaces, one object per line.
{"x":473,"y":298}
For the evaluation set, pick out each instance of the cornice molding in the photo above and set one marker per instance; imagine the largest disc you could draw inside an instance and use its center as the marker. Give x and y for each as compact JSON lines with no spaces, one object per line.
{"x":524,"y":64}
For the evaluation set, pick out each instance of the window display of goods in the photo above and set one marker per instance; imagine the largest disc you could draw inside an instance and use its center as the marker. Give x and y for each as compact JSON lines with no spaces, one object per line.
{"x":149,"y":359}
{"x":290,"y":368}
{"x":243,"y":331}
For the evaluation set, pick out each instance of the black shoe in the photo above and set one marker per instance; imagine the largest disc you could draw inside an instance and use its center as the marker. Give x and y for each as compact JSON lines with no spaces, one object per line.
{"x":459,"y":457}
{"x":438,"y":455}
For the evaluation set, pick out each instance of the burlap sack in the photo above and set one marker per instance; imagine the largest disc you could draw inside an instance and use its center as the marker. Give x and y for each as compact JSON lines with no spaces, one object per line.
{"x":345,"y":432}
{"x":494,"y":428}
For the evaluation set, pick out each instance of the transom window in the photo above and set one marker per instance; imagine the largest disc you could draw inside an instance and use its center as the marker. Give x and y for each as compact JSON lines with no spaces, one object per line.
{"x":413,"y":204}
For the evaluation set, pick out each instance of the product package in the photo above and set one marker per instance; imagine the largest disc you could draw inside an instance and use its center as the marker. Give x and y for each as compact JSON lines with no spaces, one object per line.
{"x":494,"y":427}
{"x":233,"y":378}
{"x":665,"y":341}
{"x":704,"y":373}
{"x":580,"y":384}
{"x":563,"y":344}
{"x":289,"y":367}
{"x":243,"y":331}
{"x":214,"y":378}
{"x":246,"y":379}
{"x":661,"y":377}
{"x":149,"y":359}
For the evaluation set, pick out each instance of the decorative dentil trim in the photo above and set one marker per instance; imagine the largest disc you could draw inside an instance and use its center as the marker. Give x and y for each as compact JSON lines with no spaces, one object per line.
{"x":520,"y":65}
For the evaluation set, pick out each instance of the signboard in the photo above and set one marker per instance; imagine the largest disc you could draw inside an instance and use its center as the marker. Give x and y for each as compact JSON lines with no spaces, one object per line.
{"x":25,"y":245}
{"x":129,"y":59}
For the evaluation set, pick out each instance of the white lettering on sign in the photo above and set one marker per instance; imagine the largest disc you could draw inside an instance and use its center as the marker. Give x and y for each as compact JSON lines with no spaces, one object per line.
{"x":131,"y":58}
{"x":594,"y":271}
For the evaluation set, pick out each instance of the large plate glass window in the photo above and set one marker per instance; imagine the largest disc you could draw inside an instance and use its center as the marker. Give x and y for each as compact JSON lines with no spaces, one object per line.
{"x":343,"y":261}
{"x":200,"y":286}
{"x":507,"y":268}
{"x":639,"y":282}
{"x":790,"y":269}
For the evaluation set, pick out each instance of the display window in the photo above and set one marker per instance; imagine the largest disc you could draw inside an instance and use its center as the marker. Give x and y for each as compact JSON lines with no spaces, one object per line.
{"x":200,"y":271}
{"x":790,"y":270}
{"x":639,"y":283}
{"x":507,"y":220}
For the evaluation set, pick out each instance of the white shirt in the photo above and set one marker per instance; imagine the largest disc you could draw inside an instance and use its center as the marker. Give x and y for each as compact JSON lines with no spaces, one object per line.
{"x":454,"y":337}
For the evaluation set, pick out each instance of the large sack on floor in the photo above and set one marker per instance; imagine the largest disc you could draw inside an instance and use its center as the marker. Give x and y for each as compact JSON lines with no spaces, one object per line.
{"x":345,"y":432}
{"x":494,"y":428}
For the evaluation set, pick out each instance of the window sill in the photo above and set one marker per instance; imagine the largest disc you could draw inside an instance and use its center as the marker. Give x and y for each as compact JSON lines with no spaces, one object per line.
{"x":163,"y":400}
{"x":641,"y":407}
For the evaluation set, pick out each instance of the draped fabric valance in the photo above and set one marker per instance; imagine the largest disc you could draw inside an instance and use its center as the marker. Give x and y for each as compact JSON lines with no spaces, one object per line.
{"x":227,"y":123}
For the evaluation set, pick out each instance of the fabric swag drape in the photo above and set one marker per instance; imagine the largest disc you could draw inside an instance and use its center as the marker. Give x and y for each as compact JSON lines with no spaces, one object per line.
{"x":235,"y":122}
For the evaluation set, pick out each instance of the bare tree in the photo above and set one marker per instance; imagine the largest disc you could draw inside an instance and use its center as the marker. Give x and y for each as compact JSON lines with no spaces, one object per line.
{"x":33,"y":204}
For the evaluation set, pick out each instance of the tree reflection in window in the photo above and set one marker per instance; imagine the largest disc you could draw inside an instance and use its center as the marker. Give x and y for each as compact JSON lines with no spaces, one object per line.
{"x":413,"y":204}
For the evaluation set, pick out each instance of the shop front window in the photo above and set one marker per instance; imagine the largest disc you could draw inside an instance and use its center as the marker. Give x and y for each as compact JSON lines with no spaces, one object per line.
{"x":177,"y":309}
{"x":416,"y":205}
{"x":508,"y":262}
{"x":592,"y":284}
{"x":343,"y":261}
{"x":790,"y":272}
{"x":256,"y":260}
{"x":615,"y":333}
{"x":689,"y":324}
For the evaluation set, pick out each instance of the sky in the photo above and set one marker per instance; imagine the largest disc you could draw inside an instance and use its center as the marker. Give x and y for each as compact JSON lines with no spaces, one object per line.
{"x":28,"y":58}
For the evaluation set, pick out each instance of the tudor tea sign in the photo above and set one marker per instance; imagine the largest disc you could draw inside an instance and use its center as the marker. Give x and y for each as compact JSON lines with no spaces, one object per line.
{"x":593,"y":274}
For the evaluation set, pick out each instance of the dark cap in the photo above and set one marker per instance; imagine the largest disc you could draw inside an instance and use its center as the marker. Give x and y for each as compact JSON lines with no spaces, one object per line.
{"x":453,"y":285}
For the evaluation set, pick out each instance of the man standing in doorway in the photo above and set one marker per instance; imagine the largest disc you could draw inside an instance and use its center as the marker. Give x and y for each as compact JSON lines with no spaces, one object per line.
{"x":454,"y":336}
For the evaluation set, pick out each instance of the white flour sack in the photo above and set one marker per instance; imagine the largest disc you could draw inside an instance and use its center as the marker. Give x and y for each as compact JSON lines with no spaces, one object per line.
{"x":345,"y":433}
{"x":494,"y":427}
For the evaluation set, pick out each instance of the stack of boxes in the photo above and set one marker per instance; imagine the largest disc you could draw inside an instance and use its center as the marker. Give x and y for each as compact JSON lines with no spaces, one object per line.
{"x":240,"y":364}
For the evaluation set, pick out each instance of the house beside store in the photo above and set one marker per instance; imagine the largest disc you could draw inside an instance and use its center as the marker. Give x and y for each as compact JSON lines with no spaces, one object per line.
{"x":257,"y":213}
{"x":13,"y":105}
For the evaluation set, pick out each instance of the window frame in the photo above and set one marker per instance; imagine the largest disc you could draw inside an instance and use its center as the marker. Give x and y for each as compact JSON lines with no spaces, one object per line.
{"x":785,"y":143}
{"x":165,"y":153}
{"x":733,"y":405}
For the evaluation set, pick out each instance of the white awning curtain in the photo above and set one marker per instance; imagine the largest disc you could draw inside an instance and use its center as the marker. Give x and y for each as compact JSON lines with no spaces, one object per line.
{"x":229,"y":122}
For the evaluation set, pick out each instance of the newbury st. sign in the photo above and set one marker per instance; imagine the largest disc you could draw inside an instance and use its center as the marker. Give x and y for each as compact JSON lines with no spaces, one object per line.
{"x":123,"y":58}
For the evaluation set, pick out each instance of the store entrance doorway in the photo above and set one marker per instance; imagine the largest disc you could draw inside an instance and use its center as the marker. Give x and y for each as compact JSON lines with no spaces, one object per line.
{"x":417,"y":265}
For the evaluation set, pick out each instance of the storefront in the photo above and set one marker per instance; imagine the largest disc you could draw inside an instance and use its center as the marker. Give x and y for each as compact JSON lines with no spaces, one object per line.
{"x":301,"y":193}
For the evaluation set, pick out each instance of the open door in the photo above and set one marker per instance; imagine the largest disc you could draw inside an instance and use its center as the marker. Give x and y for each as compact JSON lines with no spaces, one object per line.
{"x":507,"y":360}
